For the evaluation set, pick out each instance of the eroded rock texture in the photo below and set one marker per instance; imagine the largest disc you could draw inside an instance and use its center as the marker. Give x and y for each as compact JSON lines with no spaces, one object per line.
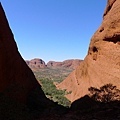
{"x":102,"y":63}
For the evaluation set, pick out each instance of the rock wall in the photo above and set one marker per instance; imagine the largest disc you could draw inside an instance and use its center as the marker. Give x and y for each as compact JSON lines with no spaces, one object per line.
{"x":17,"y":81}
{"x":102,"y":63}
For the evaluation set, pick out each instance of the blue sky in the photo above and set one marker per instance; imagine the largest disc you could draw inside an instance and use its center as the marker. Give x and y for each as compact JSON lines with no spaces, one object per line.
{"x":53,"y":29}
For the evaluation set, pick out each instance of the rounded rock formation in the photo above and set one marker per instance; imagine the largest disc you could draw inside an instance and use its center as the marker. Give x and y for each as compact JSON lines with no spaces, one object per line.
{"x":72,"y":63}
{"x":36,"y":64}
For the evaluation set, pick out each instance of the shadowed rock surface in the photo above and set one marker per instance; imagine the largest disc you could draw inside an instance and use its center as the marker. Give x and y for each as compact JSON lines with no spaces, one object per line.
{"x":19,"y":90}
{"x":102,"y":64}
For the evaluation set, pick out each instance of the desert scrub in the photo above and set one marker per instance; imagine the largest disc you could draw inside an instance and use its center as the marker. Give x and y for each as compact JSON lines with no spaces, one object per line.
{"x":54,"y":94}
{"x":106,"y":93}
{"x":54,"y":74}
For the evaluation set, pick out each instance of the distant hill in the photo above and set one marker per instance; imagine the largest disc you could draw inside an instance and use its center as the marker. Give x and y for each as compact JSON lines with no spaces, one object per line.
{"x":37,"y":63}
{"x":71,"y":63}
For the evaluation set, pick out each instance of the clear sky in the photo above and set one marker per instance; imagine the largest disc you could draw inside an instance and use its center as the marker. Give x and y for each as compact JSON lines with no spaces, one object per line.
{"x":53,"y":29}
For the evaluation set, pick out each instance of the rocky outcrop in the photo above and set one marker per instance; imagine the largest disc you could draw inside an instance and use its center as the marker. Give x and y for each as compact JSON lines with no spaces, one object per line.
{"x":36,"y":63}
{"x":72,"y":64}
{"x":17,"y":82}
{"x":102,"y":64}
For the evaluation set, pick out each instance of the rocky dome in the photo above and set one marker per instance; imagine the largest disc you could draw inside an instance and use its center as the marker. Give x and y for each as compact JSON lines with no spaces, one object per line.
{"x":36,"y":63}
{"x":102,"y":64}
{"x":72,"y":63}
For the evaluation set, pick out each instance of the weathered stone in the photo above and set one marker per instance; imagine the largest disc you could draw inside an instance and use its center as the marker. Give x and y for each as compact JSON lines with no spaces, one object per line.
{"x":101,"y":65}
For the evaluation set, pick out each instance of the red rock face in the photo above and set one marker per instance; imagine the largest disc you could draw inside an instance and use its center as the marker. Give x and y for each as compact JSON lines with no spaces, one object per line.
{"x":102,"y":64}
{"x":16,"y":79}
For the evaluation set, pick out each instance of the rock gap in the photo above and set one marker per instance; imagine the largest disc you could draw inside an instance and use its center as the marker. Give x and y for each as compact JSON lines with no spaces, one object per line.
{"x":95,"y":49}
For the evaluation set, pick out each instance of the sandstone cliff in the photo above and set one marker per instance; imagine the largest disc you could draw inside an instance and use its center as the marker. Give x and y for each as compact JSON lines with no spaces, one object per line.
{"x":102,"y":63}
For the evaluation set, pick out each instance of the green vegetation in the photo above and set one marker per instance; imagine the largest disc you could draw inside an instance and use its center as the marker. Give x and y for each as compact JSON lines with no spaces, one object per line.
{"x":54,"y":74}
{"x":52,"y":93}
{"x":47,"y":77}
{"x":106,"y":93}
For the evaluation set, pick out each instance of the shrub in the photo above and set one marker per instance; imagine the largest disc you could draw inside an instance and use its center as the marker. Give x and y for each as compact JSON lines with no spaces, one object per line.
{"x":106,"y":93}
